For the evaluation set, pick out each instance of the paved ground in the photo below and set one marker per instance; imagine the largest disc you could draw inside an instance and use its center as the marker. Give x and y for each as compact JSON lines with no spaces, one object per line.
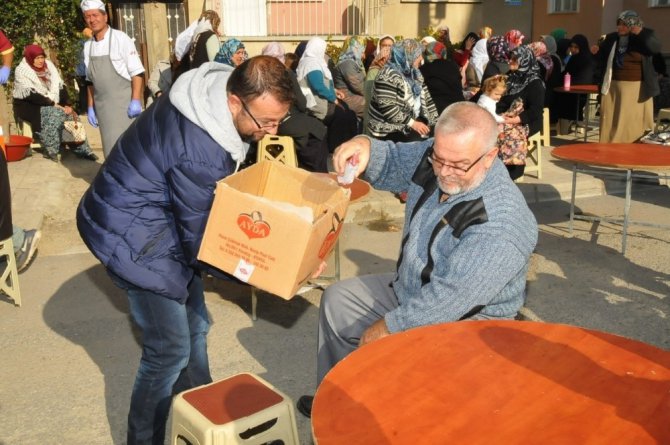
{"x":70,"y":352}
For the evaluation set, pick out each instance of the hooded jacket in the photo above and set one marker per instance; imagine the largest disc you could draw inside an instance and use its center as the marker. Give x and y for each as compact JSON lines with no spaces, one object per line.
{"x":145,"y":213}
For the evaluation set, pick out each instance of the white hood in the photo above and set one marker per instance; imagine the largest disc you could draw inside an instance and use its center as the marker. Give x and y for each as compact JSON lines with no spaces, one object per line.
{"x":200,"y":95}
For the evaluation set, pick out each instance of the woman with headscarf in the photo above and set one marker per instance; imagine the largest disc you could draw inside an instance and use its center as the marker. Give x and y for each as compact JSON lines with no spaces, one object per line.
{"x":560,"y":36}
{"x":523,"y":104}
{"x":382,"y":55}
{"x":349,"y":75}
{"x":313,"y":72}
{"x":308,"y":132}
{"x":369,"y":53}
{"x":581,"y":69}
{"x":198,"y":44}
{"x":515,"y":38}
{"x":498,"y":51}
{"x":474,"y":72}
{"x":629,"y":81}
{"x":441,"y":76}
{"x":552,"y":78}
{"x":40,"y":97}
{"x":232,"y":53}
{"x":401,"y":108}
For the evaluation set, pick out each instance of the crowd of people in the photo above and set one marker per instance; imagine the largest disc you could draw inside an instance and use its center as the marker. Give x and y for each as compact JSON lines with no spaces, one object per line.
{"x":442,"y":125}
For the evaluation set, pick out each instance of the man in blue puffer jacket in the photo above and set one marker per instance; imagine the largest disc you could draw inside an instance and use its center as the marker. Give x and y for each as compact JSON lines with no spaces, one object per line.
{"x":144,"y":215}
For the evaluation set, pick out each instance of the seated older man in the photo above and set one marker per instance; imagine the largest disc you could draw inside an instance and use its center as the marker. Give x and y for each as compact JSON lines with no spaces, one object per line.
{"x":466,"y":243}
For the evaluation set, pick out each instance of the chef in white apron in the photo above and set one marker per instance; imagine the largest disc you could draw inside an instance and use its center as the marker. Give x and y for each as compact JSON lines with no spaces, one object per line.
{"x":115,"y":73}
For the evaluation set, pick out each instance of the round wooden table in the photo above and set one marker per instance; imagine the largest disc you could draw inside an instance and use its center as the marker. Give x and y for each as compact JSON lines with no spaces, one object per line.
{"x":624,"y":157}
{"x":497,"y":382}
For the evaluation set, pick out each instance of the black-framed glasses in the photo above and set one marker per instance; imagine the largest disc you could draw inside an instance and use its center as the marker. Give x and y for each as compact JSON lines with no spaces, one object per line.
{"x":269,"y":125}
{"x":458,"y":170}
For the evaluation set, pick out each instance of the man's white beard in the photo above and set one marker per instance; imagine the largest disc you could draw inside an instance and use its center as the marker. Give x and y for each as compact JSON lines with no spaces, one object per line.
{"x":457,"y":189}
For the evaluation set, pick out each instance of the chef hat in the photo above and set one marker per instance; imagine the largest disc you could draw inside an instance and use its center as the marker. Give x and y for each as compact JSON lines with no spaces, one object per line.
{"x":87,"y":5}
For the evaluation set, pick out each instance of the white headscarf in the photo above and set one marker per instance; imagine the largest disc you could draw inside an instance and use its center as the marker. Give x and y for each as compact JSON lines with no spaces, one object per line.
{"x":182,"y":43}
{"x":427,"y":40}
{"x":87,"y":5}
{"x":479,"y":57}
{"x":314,"y":59}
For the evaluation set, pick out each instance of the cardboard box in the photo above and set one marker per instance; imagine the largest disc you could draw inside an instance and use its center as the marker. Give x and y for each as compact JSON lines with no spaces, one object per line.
{"x":251,"y":236}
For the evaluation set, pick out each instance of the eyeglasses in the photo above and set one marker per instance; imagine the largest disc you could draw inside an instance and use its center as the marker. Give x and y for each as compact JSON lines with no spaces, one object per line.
{"x":457,"y":170}
{"x":267,"y":126}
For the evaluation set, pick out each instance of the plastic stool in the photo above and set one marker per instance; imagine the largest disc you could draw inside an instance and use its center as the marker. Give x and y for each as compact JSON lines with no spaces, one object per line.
{"x":242,"y":409}
{"x":277,"y":148}
{"x":9,"y":280}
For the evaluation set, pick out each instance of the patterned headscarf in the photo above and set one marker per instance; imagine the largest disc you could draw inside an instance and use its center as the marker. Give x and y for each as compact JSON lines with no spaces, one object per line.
{"x":498,"y":49}
{"x":227,"y":50}
{"x":630,"y":18}
{"x":514,"y":37}
{"x":352,"y":50}
{"x":542,"y":55}
{"x":403,"y":55}
{"x":274,"y":49}
{"x":528,"y":70}
{"x":435,"y":51}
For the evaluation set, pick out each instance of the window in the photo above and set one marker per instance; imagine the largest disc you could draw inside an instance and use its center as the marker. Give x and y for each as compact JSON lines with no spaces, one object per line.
{"x":653,"y":3}
{"x":563,"y":6}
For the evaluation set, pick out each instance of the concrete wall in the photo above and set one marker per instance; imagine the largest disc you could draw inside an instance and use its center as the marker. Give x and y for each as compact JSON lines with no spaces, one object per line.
{"x":595,"y":19}
{"x":411,"y":19}
{"x":587,"y":21}
{"x":503,"y":16}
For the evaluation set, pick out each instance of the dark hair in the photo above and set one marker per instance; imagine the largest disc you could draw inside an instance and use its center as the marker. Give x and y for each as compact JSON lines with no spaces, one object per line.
{"x":261,"y":75}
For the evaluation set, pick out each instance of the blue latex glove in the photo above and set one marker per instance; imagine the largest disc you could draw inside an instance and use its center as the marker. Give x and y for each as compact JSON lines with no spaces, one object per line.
{"x":91,"y":117}
{"x":134,"y":108}
{"x":4,"y":74}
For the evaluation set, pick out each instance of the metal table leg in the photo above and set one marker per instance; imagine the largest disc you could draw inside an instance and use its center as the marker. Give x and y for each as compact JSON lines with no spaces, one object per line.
{"x":572,"y":197}
{"x":626,"y":209}
{"x":587,"y":116}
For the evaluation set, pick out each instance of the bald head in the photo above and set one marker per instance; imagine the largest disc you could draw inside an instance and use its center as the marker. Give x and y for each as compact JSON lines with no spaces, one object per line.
{"x":468,"y":117}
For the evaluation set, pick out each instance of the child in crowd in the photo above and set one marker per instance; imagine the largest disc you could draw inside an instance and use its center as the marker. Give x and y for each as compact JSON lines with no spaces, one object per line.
{"x":512,"y":139}
{"x":492,"y":90}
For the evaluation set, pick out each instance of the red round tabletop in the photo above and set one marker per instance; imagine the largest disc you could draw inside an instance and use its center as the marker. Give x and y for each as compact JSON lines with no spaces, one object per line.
{"x":497,"y":382}
{"x":578,"y":89}
{"x":628,"y":156}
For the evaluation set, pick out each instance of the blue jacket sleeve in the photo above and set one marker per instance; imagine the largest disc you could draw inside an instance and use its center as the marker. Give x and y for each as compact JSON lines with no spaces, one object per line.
{"x":317,"y":83}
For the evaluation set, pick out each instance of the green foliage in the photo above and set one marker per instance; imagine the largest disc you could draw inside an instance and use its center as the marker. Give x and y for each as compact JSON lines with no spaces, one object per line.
{"x":53,"y":24}
{"x":427,"y":31}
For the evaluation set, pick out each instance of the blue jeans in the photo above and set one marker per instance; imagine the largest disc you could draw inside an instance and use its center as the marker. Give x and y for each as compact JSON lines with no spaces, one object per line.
{"x":174,"y":356}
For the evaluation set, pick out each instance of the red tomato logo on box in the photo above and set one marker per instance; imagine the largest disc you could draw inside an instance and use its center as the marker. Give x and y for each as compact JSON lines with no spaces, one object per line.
{"x":253,"y":225}
{"x":331,"y":237}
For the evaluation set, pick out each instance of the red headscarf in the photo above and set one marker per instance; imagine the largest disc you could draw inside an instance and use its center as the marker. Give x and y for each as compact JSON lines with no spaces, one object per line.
{"x":31,"y":52}
{"x":514,"y":37}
